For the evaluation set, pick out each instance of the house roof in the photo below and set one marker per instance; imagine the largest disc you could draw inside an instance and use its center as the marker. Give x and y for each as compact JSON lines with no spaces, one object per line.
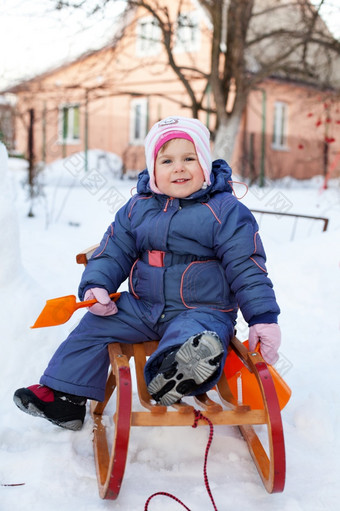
{"x":24,"y":85}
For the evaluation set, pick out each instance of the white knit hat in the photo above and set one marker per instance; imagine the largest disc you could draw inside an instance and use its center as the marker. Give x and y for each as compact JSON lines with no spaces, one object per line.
{"x":178,"y":127}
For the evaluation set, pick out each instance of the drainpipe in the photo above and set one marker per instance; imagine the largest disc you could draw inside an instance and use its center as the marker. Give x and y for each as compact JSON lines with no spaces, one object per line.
{"x":208,"y":92}
{"x":263,"y":138}
{"x":86,"y":130}
{"x":44,"y":134}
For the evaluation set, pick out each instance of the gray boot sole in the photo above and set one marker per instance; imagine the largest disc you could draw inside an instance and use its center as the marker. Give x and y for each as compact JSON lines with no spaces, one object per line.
{"x":194,"y":363}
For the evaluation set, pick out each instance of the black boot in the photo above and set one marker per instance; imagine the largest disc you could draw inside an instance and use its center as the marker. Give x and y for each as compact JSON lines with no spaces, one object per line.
{"x":64,"y":410}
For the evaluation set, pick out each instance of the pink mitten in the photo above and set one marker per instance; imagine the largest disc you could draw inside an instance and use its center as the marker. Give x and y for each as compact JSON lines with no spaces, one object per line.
{"x":269,"y":336}
{"x":105,"y":306}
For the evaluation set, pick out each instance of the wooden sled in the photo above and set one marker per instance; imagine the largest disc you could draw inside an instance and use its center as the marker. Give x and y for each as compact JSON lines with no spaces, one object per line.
{"x":110,"y":462}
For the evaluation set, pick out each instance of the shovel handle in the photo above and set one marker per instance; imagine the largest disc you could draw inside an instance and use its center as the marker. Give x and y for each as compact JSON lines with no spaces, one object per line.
{"x":88,"y":303}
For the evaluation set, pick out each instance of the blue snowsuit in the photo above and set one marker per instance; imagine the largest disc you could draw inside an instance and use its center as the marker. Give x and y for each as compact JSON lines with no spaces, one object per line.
{"x":190,"y":263}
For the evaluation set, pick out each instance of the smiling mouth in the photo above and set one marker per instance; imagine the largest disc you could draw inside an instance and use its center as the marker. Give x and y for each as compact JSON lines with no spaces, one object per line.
{"x":180,"y":181}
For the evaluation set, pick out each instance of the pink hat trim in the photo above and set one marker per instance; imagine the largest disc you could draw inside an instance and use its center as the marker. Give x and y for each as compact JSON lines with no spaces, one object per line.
{"x":170,"y":135}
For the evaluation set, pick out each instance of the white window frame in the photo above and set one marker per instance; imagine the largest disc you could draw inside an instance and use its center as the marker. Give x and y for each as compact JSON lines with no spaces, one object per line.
{"x":138,"y":120}
{"x":280,"y":124}
{"x":70,"y":135}
{"x":148,"y":37}
{"x":188,"y":36}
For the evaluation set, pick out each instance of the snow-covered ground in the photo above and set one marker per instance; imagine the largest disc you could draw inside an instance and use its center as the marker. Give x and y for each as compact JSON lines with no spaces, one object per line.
{"x":37,"y":257}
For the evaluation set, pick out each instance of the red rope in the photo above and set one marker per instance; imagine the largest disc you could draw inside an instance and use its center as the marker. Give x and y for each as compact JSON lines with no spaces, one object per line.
{"x":167,"y":495}
{"x":198,"y":416}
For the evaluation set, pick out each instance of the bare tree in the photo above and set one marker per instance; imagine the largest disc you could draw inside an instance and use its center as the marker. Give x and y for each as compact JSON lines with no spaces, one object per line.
{"x":251,"y":40}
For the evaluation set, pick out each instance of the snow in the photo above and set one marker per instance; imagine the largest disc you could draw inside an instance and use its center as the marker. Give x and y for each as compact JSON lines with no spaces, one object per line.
{"x":38,"y":262}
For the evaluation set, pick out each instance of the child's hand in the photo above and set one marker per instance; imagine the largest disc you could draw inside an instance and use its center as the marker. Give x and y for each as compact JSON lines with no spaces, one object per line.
{"x":105,"y":306}
{"x":269,"y":336}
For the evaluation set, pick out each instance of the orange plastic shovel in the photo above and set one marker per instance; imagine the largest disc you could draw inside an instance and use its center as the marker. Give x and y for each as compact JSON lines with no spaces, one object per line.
{"x":242,"y":381}
{"x":59,"y":310}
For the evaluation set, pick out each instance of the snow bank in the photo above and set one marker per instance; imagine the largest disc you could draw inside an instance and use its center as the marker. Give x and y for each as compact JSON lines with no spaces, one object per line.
{"x":19,"y":290}
{"x":9,"y":248}
{"x":71,"y":171}
{"x":57,"y":466}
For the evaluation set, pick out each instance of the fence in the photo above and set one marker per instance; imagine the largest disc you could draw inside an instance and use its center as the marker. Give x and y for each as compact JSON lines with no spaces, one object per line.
{"x":296,"y":218}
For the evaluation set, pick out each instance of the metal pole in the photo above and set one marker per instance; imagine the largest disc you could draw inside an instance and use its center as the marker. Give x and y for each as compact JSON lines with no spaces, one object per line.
{"x":31,"y":158}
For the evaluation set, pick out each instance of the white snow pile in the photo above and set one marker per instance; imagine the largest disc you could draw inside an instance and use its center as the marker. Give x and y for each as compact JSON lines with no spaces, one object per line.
{"x":37,"y":262}
{"x":76,"y":168}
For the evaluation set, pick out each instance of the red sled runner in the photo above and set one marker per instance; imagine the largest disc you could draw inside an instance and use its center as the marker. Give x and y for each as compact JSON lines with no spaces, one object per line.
{"x":264,"y":409}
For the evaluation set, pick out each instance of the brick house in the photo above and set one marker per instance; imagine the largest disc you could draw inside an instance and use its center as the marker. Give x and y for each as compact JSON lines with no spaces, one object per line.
{"x":107,"y":99}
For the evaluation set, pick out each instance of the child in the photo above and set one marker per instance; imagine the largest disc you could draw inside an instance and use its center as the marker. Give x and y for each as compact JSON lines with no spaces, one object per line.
{"x":193,"y":256}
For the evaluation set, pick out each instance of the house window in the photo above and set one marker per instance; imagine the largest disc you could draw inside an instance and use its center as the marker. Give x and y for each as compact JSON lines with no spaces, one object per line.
{"x":139,"y":121}
{"x":279,"y":140}
{"x":187,"y":33}
{"x":148,"y":37}
{"x":69,"y":127}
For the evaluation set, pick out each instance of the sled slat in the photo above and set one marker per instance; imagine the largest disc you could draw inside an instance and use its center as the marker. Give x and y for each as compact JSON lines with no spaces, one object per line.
{"x":208,"y":404}
{"x":144,"y":396}
{"x":230,"y":417}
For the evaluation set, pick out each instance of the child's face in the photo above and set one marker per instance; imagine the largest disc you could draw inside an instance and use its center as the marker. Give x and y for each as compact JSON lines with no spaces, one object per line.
{"x":177,"y":170}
